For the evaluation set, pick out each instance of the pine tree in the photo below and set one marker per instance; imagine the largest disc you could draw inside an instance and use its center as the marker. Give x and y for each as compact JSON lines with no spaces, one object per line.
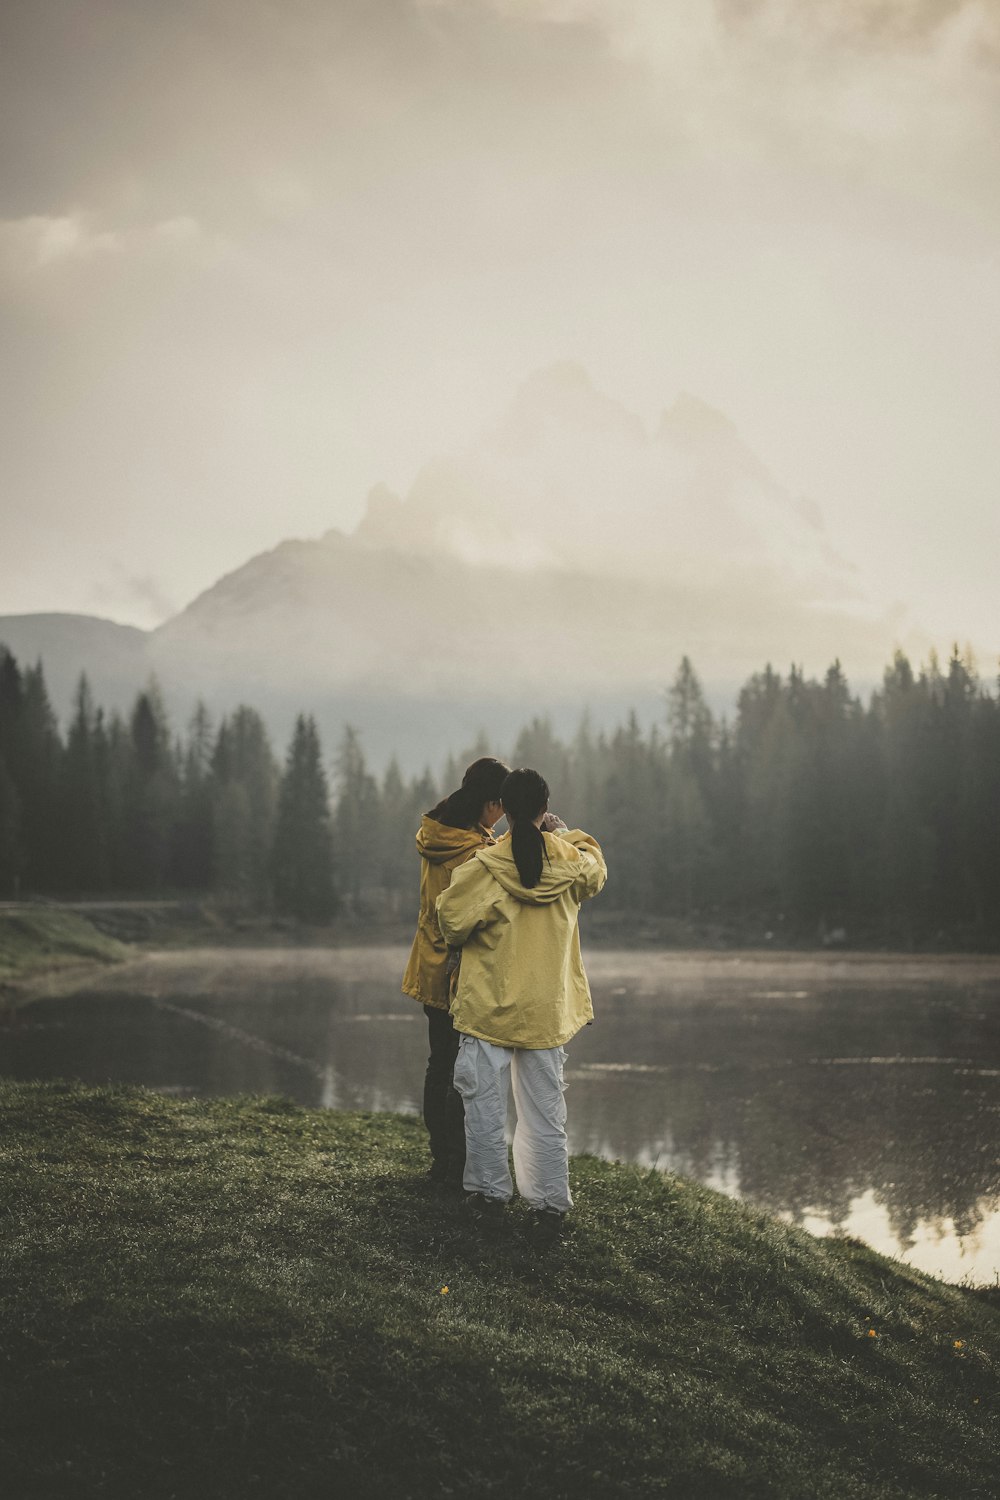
{"x":981,"y":815}
{"x":114,"y":753}
{"x":356,"y":821}
{"x":11,"y":699}
{"x":302,"y":856}
{"x":244,"y":797}
{"x":538,"y":746}
{"x":150,"y":794}
{"x":32,"y":751}
{"x":900,"y":712}
{"x":193,"y":852}
{"x":762,"y":742}
{"x":396,"y":826}
{"x":85,"y":827}
{"x":688,"y":854}
{"x":10,"y":852}
{"x":689,"y":718}
{"x":584,"y":794}
{"x":886,"y":820}
{"x":632,"y":804}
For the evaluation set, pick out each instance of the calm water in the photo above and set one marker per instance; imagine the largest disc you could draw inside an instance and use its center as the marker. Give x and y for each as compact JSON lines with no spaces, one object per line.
{"x":857,"y":1094}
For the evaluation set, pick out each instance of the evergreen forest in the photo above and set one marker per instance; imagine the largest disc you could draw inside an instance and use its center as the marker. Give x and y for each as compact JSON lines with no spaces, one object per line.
{"x":808,"y":816}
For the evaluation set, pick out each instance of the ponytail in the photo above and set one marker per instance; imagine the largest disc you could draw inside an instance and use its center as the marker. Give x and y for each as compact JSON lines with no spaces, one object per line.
{"x":480,"y":784}
{"x":524,"y":795}
{"x":527,"y":847}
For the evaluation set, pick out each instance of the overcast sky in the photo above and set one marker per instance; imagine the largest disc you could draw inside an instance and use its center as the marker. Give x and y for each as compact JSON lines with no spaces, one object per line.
{"x":257,"y":255}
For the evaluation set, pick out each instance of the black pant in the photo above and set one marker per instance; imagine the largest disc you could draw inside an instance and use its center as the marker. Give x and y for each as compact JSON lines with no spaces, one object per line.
{"x":444,"y":1112}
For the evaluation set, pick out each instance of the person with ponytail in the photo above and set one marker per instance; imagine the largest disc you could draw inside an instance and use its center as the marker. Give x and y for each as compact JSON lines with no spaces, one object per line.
{"x":522,"y":994}
{"x":449,"y":835}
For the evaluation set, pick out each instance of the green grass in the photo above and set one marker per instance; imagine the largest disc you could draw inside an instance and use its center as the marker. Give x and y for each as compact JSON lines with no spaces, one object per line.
{"x":244,"y":1298}
{"x":37,"y":940}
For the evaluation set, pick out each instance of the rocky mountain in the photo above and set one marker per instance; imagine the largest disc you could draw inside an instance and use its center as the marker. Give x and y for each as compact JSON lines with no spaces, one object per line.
{"x":569,"y":479}
{"x":567,"y":558}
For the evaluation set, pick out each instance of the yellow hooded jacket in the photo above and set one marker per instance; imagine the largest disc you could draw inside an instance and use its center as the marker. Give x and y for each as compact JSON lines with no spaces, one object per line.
{"x":442,"y":849}
{"x":522,"y":981}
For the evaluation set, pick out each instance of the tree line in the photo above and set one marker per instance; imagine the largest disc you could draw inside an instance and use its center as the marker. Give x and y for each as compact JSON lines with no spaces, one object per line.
{"x":805,"y":814}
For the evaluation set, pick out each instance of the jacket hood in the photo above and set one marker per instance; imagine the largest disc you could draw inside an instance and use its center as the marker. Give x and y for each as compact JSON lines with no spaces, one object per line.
{"x":560,"y":869}
{"x":438,"y":843}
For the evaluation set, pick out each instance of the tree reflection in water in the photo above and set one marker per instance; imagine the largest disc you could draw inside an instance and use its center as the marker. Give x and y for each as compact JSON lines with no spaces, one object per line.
{"x":808,"y":1139}
{"x":858,"y":1093}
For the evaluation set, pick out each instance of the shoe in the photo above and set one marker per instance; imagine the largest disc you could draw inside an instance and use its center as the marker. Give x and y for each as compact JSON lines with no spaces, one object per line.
{"x":445,"y":1175}
{"x":489,"y":1213}
{"x":547,"y":1225}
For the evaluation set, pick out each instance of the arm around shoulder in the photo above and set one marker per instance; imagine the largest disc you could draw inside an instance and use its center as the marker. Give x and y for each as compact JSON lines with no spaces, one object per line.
{"x":466,"y":903}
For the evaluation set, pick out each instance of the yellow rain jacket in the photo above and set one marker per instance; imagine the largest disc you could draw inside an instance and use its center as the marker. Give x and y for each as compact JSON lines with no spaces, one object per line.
{"x":442,"y":849}
{"x":522,"y":982}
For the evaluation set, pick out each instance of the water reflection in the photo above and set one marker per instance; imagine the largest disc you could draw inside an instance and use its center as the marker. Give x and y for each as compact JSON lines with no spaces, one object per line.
{"x":857,"y":1095}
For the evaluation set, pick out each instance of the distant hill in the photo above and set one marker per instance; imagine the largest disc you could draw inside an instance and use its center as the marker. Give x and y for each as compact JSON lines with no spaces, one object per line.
{"x":113,"y":656}
{"x":567,"y":559}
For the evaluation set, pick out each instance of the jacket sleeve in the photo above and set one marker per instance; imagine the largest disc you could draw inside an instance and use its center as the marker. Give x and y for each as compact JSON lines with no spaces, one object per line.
{"x":467,"y":903}
{"x":595,"y":872}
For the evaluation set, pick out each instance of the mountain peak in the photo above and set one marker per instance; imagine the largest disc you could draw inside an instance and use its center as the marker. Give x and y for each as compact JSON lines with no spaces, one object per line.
{"x":569,"y":478}
{"x":692,"y":423}
{"x":384,"y":519}
{"x":561,"y":375}
{"x":563,"y":396}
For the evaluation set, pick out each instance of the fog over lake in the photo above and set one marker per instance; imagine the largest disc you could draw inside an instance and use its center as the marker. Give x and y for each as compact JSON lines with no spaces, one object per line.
{"x":851,"y":1093}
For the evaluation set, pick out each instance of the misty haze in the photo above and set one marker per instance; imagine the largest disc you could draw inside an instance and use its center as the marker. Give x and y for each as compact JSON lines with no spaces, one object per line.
{"x":611,"y":551}
{"x":392,"y":389}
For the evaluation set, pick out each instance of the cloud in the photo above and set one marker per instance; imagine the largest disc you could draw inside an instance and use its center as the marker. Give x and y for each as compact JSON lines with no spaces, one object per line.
{"x":41,"y":242}
{"x":872,"y":23}
{"x":790,"y":209}
{"x":134,"y":596}
{"x":902,"y":93}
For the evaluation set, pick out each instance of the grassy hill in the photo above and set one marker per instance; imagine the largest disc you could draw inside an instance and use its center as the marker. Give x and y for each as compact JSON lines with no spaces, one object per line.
{"x":36,"y":940}
{"x":243,"y":1298}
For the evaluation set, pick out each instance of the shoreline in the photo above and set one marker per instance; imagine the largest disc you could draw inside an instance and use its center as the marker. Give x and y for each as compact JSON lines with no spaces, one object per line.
{"x":59,"y":956}
{"x":190,"y":921}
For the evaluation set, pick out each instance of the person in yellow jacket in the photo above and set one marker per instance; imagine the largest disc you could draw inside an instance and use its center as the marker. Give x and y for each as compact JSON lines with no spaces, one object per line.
{"x":522,"y":994}
{"x":449,"y":835}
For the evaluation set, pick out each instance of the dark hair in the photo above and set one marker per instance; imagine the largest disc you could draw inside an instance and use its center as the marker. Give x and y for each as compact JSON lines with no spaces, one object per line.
{"x":480,"y":784}
{"x":524,"y":795}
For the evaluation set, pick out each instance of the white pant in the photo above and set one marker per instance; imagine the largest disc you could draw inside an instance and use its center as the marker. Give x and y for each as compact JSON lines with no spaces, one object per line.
{"x":541,"y":1154}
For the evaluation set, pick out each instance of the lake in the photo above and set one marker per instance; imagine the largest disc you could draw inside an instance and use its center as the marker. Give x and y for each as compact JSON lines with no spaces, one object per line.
{"x":853,"y":1093}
